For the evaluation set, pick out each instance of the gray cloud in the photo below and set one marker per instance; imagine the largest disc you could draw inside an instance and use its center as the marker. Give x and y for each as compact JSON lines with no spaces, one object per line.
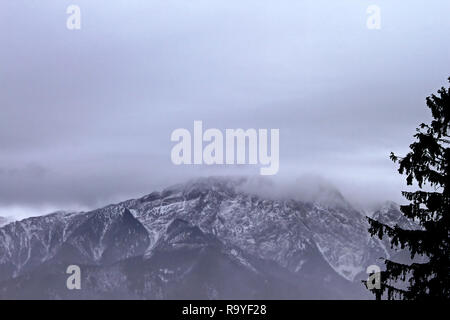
{"x":86,"y":115}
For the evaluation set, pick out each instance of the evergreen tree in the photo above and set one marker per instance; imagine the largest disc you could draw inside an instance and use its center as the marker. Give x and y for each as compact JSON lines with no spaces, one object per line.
{"x":427,"y":165}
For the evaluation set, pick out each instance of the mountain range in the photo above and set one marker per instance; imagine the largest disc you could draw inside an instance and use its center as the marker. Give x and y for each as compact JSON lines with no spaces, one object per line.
{"x":209,"y":238}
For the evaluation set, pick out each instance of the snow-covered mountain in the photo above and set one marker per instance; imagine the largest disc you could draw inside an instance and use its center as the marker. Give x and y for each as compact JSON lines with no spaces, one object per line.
{"x":208,"y":238}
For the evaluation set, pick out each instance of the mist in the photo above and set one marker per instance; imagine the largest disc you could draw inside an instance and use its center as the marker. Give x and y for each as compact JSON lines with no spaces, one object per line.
{"x":86,"y":115}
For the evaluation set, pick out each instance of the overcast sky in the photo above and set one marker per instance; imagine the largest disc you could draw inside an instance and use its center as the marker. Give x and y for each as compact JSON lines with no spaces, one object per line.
{"x":86,"y":115}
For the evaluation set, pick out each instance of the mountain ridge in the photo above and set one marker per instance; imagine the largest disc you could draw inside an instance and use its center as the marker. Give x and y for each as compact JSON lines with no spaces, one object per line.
{"x":241,"y":229}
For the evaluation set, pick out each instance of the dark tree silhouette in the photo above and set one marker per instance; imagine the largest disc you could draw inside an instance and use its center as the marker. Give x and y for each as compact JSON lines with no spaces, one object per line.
{"x":427,"y":164}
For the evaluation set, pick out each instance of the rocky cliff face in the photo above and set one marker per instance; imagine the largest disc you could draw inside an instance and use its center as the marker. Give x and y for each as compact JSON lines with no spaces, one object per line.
{"x":204,"y":239}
